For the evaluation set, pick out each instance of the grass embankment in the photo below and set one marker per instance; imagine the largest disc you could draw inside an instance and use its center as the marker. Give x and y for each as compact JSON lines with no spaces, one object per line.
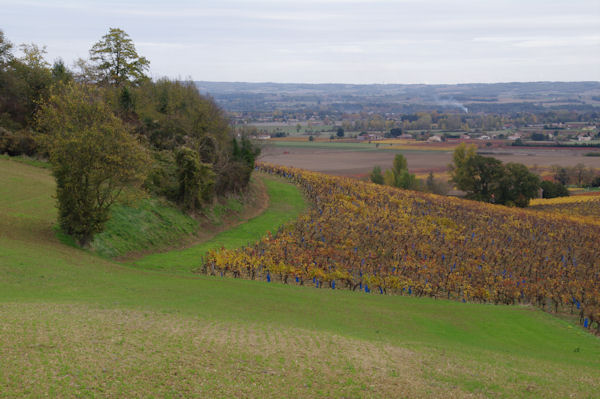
{"x":140,"y":225}
{"x":145,"y":224}
{"x":285,"y":205}
{"x":74,"y":324}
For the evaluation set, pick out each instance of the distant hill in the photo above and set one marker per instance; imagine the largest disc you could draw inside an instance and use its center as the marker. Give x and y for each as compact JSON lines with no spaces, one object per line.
{"x":478,"y":97}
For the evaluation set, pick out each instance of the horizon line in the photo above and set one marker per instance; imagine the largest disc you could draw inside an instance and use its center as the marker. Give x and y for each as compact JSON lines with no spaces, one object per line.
{"x":392,"y":84}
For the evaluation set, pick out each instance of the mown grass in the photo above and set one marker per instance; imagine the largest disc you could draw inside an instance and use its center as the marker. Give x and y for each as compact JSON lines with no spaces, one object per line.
{"x":76,"y":325}
{"x":286,"y":203}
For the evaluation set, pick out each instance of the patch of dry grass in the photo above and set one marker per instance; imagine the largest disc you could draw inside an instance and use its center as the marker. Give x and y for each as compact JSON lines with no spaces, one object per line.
{"x":67,"y":350}
{"x":78,"y":350}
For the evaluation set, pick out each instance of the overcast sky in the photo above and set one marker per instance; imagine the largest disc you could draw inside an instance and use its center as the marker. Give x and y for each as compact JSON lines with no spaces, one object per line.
{"x":318,"y":41}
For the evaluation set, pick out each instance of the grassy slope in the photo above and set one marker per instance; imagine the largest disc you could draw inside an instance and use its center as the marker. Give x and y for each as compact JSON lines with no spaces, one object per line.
{"x":147,"y":224}
{"x":141,"y":225}
{"x":74,"y":324}
{"x":285,"y":205}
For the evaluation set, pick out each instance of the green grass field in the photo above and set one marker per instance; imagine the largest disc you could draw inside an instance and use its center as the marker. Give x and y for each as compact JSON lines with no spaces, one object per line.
{"x":77,"y":325}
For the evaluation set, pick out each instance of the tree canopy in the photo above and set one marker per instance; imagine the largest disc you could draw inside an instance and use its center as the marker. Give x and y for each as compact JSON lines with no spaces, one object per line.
{"x":117,"y":60}
{"x":93,"y":155}
{"x":487,"y":179}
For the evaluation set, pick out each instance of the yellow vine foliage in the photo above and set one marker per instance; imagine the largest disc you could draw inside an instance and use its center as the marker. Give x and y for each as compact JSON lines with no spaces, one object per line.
{"x":362,"y":236}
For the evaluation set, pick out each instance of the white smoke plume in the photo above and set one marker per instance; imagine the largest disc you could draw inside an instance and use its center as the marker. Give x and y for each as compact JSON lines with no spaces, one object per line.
{"x":450,"y":102}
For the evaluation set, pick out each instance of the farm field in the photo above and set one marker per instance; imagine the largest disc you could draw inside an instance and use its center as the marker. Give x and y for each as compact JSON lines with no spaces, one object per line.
{"x":358,"y":159}
{"x":76,"y":325}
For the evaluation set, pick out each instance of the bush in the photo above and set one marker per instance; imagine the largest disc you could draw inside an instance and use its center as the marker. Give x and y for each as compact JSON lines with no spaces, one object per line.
{"x":195,"y":179}
{"x":21,"y":142}
{"x":376,"y":176}
{"x":553,"y":190}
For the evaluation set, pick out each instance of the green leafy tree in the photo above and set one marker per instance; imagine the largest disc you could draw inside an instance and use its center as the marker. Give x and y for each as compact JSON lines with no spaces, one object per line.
{"x":24,"y":83}
{"x":516,"y":185}
{"x":33,"y":56}
{"x":6,"y":81}
{"x":340,"y":132}
{"x":475,"y":174}
{"x":196,"y":179}
{"x":60,"y":72}
{"x":117,"y":59}
{"x":553,"y":190}
{"x":93,"y":155}
{"x":400,"y":164}
{"x":399,"y":176}
{"x":5,"y":50}
{"x":487,"y":179}
{"x":376,"y":175}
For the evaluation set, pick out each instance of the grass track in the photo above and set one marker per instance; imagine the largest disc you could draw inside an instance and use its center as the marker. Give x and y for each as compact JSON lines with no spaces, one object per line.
{"x":74,"y":324}
{"x":286,"y":203}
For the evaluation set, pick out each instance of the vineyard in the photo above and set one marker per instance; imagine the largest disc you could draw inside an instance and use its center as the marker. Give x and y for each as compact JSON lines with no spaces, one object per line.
{"x":579,"y":206}
{"x":361,"y":236}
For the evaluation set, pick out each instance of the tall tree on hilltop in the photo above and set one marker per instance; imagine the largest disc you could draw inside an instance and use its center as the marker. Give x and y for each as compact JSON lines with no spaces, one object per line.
{"x":117,"y":59}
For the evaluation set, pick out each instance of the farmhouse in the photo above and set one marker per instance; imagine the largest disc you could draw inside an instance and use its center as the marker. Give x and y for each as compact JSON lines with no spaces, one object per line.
{"x":262,"y":137}
{"x":583,"y":137}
